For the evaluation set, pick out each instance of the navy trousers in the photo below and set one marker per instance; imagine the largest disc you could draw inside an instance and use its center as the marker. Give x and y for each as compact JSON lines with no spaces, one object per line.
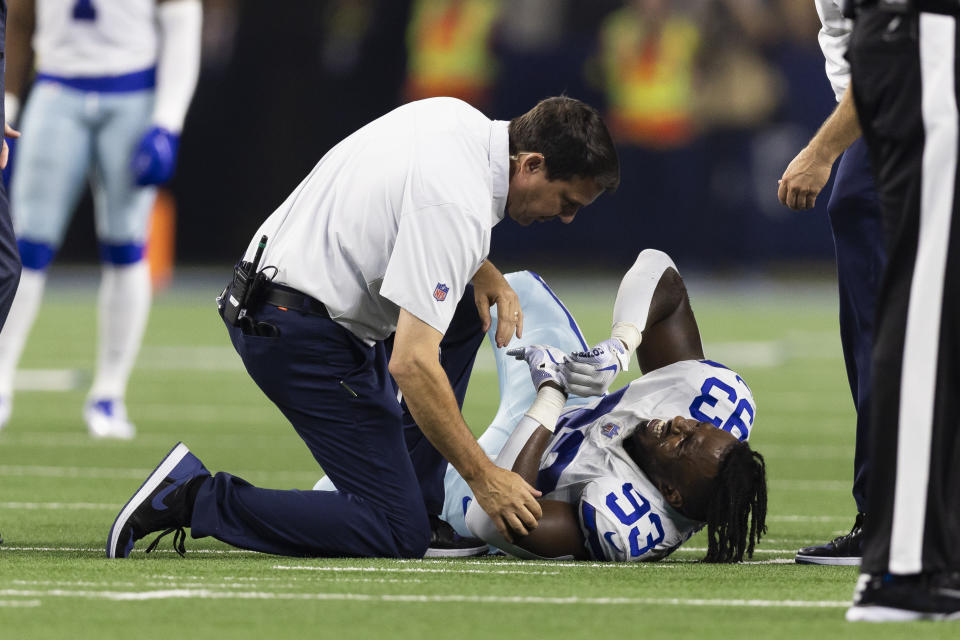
{"x":854,"y":211}
{"x":338,"y":395}
{"x":9,"y":258}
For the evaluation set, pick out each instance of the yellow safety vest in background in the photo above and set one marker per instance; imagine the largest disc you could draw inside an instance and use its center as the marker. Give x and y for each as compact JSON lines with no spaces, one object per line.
{"x":448,"y":44}
{"x":649,"y":78}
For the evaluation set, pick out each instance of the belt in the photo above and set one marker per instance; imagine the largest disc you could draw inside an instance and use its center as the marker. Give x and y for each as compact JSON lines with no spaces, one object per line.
{"x":279,"y":295}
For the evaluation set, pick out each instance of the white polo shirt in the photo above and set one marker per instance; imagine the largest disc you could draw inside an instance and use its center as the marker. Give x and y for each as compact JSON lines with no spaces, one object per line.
{"x":834,"y":36}
{"x":398,"y":215}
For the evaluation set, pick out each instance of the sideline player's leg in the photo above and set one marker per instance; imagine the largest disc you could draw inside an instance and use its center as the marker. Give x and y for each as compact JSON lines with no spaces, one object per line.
{"x":52,"y":161}
{"x":545,"y":321}
{"x":122,"y":215}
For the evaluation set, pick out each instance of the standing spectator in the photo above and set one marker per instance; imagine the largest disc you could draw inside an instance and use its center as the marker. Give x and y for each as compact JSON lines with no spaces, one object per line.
{"x":450,"y":49}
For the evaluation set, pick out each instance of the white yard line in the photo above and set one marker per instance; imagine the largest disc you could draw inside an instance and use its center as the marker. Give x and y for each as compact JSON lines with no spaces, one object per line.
{"x":58,"y":506}
{"x":282,"y":567}
{"x":211,"y":594}
{"x":108,"y":473}
{"x":19,"y":603}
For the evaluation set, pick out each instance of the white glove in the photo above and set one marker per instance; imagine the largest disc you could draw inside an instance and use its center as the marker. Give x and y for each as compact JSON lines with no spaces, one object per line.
{"x":545,"y":362}
{"x":589,"y":373}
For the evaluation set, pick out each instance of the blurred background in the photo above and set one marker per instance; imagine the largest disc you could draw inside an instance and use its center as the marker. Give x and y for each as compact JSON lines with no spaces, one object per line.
{"x":708,"y":101}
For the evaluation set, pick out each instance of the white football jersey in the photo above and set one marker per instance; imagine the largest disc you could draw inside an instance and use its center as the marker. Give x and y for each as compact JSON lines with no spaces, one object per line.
{"x":93,"y":38}
{"x":622,"y":514}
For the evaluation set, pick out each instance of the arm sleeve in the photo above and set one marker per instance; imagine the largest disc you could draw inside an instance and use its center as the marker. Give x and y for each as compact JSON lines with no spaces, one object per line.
{"x":438,"y":249}
{"x":618,"y":523}
{"x":636,"y":291}
{"x":178,"y":65}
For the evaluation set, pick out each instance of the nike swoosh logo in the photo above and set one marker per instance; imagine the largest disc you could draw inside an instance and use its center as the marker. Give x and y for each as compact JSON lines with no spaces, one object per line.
{"x":157,"y":502}
{"x":612,"y":367}
{"x":609,"y":537}
{"x":466,"y":503}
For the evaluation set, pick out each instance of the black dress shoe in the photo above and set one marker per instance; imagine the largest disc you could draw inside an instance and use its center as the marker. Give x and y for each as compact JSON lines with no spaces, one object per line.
{"x":842,"y":550}
{"x":889,"y":598}
{"x":447,"y":543}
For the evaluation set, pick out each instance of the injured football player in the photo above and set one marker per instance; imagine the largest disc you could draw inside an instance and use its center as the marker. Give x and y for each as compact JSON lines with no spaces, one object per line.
{"x":630,"y":475}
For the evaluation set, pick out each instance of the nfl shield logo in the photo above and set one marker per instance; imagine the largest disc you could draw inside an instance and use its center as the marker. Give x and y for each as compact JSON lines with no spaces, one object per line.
{"x":610,"y":430}
{"x":440,"y":293}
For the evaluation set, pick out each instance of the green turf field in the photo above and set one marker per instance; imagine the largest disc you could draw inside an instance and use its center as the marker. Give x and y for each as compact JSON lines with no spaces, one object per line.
{"x":59,"y":492}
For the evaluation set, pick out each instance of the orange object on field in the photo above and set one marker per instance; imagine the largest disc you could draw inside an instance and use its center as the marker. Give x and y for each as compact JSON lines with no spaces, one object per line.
{"x":161,"y":239}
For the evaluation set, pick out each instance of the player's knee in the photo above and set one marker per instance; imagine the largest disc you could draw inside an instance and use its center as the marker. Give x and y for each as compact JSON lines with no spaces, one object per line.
{"x":414,"y":538}
{"x":121,"y":254}
{"x":35,"y":255}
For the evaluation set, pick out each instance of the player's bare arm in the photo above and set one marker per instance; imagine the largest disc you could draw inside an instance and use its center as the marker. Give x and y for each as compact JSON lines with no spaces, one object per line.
{"x":808,"y":172}
{"x":504,"y":496}
{"x":490,"y":288}
{"x":558,"y":534}
{"x":652,"y":316}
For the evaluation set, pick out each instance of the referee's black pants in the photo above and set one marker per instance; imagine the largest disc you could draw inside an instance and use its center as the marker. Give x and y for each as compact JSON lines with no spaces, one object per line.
{"x":905,"y":85}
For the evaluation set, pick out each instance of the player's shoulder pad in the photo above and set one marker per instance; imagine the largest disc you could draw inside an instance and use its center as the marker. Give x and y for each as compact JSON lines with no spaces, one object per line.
{"x":619,"y":524}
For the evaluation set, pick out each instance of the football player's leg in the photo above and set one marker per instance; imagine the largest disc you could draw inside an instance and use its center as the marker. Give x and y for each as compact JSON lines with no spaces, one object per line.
{"x":52,"y":163}
{"x":122,"y":216}
{"x":545,"y":321}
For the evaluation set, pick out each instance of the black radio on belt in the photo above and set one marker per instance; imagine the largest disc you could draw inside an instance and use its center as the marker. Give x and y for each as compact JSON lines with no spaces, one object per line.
{"x":247,"y":281}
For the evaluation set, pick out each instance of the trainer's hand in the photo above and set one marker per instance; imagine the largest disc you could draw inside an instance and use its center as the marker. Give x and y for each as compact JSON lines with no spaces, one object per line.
{"x":491,"y":288}
{"x":8,"y":132}
{"x":545,"y":362}
{"x":509,"y":500}
{"x":590,"y":373}
{"x":804,"y":179}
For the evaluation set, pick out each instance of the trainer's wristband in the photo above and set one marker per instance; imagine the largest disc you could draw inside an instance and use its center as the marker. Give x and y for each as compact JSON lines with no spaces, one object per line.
{"x":547,"y":407}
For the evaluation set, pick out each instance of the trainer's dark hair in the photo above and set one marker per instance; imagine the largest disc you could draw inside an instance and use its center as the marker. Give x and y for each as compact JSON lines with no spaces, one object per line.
{"x":737,"y":514}
{"x":572,"y":138}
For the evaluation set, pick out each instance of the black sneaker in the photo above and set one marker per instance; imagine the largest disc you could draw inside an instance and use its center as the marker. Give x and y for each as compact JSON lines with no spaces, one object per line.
{"x":903,"y":598}
{"x":164,"y":502}
{"x":842,"y":550}
{"x":447,"y":543}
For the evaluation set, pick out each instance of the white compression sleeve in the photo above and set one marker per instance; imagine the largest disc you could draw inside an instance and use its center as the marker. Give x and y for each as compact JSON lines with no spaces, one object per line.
{"x":635,"y":295}
{"x":179,"y":61}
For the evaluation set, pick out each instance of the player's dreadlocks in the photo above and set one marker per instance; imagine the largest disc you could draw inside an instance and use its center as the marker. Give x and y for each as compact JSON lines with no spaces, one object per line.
{"x":740,"y":493}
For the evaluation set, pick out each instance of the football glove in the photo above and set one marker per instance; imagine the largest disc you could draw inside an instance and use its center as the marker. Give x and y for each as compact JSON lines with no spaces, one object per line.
{"x":155,"y":157}
{"x":545,"y":362}
{"x":590,"y":373}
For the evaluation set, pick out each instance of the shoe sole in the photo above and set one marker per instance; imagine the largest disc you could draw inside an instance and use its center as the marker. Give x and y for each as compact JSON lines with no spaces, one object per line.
{"x":457,"y":553}
{"x":873,"y":613}
{"x":163,"y":469}
{"x":827,"y":560}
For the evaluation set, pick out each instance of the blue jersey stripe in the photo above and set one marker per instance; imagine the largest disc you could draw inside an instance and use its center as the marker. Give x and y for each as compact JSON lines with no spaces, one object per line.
{"x":566,"y":450}
{"x":581,"y":417}
{"x":125,"y":83}
{"x":589,"y":516}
